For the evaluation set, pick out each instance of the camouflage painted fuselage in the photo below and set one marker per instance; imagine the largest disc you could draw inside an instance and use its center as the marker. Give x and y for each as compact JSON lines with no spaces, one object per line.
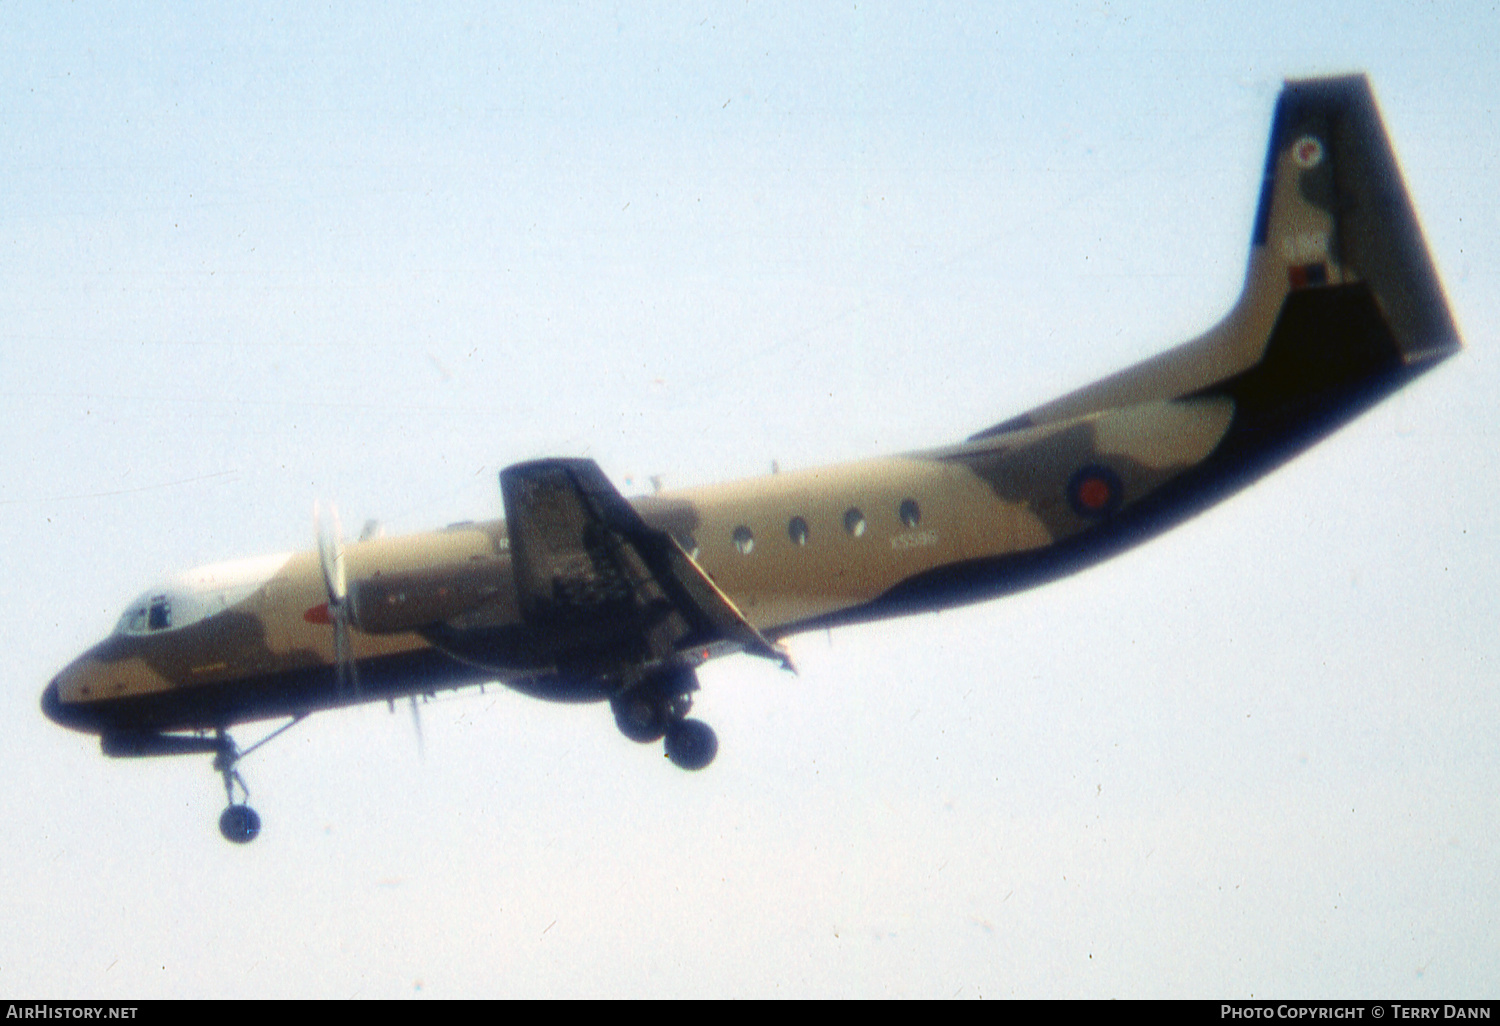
{"x":1341,"y":306}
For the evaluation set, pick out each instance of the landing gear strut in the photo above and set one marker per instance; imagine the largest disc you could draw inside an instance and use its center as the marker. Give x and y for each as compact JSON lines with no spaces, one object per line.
{"x":239,"y":823}
{"x":657,"y":708}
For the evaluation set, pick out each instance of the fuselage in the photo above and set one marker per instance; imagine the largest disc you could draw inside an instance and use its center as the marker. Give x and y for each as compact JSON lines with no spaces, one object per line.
{"x":792,"y":550}
{"x":1341,"y":306}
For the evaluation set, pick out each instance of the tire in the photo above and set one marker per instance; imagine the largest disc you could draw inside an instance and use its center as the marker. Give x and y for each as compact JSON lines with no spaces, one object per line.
{"x":239,"y":824}
{"x":640,"y":717}
{"x":691,"y":744}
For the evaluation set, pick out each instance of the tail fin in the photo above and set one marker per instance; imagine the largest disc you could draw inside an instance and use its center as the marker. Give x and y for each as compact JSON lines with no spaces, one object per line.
{"x":1335,"y":218}
{"x":1333,"y":210}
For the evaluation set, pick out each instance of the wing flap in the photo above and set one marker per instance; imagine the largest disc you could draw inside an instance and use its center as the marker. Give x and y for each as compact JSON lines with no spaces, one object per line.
{"x":581,"y":553}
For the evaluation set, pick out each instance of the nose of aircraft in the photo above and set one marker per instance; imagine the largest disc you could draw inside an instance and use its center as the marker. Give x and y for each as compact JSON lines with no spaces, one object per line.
{"x":51,"y":706}
{"x":63,"y":714}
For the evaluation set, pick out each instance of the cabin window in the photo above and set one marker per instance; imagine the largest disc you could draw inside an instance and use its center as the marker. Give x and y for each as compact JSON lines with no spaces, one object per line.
{"x":855,"y":522}
{"x":796,"y":529}
{"x":744,"y":540}
{"x":688,"y":542}
{"x":911,"y":513}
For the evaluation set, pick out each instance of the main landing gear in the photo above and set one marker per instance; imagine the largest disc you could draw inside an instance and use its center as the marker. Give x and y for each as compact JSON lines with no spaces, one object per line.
{"x":657,"y":708}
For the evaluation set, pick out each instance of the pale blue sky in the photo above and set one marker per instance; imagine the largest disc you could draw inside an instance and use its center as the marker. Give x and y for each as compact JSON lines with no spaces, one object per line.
{"x":372,"y":254}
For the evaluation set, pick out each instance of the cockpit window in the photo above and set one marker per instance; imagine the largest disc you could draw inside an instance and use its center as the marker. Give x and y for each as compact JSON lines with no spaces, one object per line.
{"x":195,"y":595}
{"x":160,"y":612}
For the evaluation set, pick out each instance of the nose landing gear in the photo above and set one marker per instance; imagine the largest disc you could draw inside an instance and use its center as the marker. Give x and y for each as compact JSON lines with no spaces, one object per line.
{"x":239,"y":823}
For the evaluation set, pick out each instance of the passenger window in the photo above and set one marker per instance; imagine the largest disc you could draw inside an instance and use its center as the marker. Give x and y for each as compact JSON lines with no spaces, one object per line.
{"x":855,"y":523}
{"x":688,"y":542}
{"x":911,"y":513}
{"x":744,"y":540}
{"x":796,"y":529}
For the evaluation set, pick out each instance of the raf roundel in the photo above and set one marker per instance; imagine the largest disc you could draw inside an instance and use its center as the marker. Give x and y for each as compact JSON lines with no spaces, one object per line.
{"x":1307,"y":152}
{"x":1095,"y":492}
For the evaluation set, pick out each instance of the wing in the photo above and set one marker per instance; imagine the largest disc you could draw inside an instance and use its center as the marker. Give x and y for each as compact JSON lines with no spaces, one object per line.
{"x":583,"y":557}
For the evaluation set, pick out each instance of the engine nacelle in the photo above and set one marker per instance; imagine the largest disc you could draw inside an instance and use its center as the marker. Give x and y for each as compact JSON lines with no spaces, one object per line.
{"x":405,"y":584}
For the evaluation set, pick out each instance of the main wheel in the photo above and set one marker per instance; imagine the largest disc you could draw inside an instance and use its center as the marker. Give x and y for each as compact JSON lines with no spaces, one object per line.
{"x":691,"y":744}
{"x":641,"y":716}
{"x":240,"y":824}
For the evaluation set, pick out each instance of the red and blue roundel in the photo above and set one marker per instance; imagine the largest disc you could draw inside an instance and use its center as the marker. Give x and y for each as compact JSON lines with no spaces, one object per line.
{"x":1095,"y":492}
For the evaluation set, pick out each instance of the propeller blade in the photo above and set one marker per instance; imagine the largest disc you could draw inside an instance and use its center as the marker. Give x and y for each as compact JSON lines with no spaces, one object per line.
{"x":331,"y":554}
{"x":345,"y":666}
{"x":416,"y":722}
{"x":335,"y":579}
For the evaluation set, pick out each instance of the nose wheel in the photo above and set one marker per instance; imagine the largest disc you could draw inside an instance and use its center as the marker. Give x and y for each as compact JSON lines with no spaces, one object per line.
{"x":239,"y":824}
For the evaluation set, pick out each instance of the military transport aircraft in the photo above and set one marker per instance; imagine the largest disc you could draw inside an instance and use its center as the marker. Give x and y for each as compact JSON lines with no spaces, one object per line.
{"x":582,"y":595}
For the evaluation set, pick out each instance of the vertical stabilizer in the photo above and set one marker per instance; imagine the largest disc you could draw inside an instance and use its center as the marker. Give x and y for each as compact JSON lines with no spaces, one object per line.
{"x":1334,"y":220}
{"x":1333,"y":210}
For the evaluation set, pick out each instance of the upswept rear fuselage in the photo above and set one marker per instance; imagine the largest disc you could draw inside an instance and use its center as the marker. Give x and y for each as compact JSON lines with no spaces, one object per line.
{"x":1341,"y":306}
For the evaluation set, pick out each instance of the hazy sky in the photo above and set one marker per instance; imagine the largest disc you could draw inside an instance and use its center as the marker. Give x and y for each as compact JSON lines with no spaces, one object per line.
{"x":372,"y":254}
